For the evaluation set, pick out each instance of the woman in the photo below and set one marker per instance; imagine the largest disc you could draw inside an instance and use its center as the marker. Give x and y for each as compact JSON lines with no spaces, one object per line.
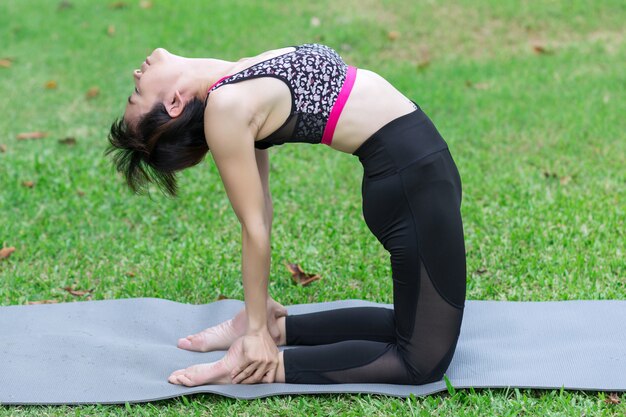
{"x":411,"y":190}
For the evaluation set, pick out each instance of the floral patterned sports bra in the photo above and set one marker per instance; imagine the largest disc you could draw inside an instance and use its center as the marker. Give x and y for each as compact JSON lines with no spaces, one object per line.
{"x":320,"y":83}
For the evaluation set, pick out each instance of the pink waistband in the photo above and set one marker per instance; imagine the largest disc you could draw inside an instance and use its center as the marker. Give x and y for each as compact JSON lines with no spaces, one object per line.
{"x":335,"y":112}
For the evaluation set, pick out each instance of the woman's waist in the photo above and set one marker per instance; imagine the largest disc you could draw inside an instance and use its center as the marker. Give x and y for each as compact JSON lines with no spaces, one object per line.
{"x":400,"y":143}
{"x":372,"y":103}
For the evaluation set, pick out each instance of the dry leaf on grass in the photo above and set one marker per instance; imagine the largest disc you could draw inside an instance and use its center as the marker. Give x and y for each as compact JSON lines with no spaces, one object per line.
{"x":145,"y":4}
{"x":31,"y":135}
{"x":6,"y":62}
{"x":540,"y":49}
{"x":613,"y":398}
{"x":477,"y":86}
{"x":424,"y":58}
{"x":393,"y":35}
{"x":65,"y":5}
{"x":92,"y":92}
{"x":6,"y":252}
{"x":422,"y":64}
{"x":51,"y":84}
{"x":111,"y":30}
{"x":68,"y":141}
{"x":42,"y":302}
{"x":299,"y":276}
{"x":118,"y":5}
{"x":221,"y":297}
{"x":78,"y":292}
{"x":565,"y":180}
{"x":28,"y":184}
{"x":3,"y":148}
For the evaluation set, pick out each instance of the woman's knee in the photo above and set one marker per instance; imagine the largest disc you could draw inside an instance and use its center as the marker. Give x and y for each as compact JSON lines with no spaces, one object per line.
{"x":425,"y":373}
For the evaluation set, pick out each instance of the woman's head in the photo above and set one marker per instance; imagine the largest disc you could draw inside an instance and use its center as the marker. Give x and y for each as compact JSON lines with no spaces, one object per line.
{"x":162,"y":130}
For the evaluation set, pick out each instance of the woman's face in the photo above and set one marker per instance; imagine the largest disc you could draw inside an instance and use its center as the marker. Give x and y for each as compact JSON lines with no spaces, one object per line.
{"x":154,"y":82}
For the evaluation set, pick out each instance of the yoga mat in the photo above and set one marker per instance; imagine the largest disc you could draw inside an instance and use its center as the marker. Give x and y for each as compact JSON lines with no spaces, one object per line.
{"x":123,"y":350}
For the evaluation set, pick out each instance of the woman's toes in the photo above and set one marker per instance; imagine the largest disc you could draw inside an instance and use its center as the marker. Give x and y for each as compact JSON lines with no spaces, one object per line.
{"x":195,"y":342}
{"x":173,"y":378}
{"x":208,"y":373}
{"x":183,"y":379}
{"x":184,"y":343}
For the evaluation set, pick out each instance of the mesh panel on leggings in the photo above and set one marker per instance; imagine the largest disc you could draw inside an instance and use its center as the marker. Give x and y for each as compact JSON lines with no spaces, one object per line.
{"x":436,"y":324}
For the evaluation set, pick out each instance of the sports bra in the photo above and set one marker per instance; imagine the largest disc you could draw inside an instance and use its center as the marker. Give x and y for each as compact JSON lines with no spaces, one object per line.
{"x":320,"y":83}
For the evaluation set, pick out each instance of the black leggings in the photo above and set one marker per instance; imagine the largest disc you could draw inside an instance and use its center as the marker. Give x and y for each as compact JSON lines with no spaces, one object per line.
{"x":411,"y":202}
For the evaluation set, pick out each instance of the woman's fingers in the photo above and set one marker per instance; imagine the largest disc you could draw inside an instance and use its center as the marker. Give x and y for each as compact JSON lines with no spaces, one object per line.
{"x":237,"y":369}
{"x":255,"y":377}
{"x":262,"y":374}
{"x":247,"y":371}
{"x":255,"y":372}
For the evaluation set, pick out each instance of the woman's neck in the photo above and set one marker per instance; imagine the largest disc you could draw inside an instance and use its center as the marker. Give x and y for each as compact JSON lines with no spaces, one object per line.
{"x":202,"y":73}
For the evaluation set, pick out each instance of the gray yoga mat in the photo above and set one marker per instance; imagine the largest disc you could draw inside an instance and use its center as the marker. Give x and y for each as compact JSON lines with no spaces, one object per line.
{"x":117,"y":351}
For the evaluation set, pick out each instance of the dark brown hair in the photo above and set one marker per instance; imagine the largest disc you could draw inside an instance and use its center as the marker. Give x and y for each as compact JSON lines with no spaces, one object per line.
{"x":158,"y":146}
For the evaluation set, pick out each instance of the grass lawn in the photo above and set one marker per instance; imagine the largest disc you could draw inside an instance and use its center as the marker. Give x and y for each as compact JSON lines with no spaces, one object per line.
{"x":530,"y":97}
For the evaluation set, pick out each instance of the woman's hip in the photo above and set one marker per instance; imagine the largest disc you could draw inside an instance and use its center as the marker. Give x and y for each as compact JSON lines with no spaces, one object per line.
{"x":431,"y":183}
{"x":398,"y":144}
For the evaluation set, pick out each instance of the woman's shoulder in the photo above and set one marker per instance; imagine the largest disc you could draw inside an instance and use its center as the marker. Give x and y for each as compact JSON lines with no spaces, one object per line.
{"x":225,"y":102}
{"x":226,"y":114}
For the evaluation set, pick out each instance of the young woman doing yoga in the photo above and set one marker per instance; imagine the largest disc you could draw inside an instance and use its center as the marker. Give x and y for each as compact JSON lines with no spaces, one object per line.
{"x":183,"y":107}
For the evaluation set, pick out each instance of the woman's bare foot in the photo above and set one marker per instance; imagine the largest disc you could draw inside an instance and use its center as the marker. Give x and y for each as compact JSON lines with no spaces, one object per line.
{"x":221,"y":336}
{"x":218,"y":337}
{"x":209,"y":373}
{"x":219,"y":372}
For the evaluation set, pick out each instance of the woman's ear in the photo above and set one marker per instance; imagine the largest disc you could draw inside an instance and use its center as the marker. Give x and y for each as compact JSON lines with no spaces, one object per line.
{"x":175,"y":105}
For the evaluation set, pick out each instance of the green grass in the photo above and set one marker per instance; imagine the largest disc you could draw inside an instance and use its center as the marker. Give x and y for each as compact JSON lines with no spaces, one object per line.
{"x":538,"y":138}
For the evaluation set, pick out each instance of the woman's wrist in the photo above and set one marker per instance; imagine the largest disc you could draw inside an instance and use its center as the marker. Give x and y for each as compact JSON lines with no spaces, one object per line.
{"x":257,"y":329}
{"x":257,"y":320}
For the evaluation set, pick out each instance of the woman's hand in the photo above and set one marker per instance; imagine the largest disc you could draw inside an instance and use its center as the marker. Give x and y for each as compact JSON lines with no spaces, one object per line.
{"x":260,"y":359}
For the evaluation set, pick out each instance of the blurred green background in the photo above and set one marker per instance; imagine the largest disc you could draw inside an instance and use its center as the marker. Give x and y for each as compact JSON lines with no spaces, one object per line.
{"x":529,"y":95}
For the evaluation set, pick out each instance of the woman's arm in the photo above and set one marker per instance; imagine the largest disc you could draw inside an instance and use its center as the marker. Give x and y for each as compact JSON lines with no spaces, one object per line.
{"x":229,"y":131}
{"x":274,"y":309}
{"x":230,"y":137}
{"x":263,"y":163}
